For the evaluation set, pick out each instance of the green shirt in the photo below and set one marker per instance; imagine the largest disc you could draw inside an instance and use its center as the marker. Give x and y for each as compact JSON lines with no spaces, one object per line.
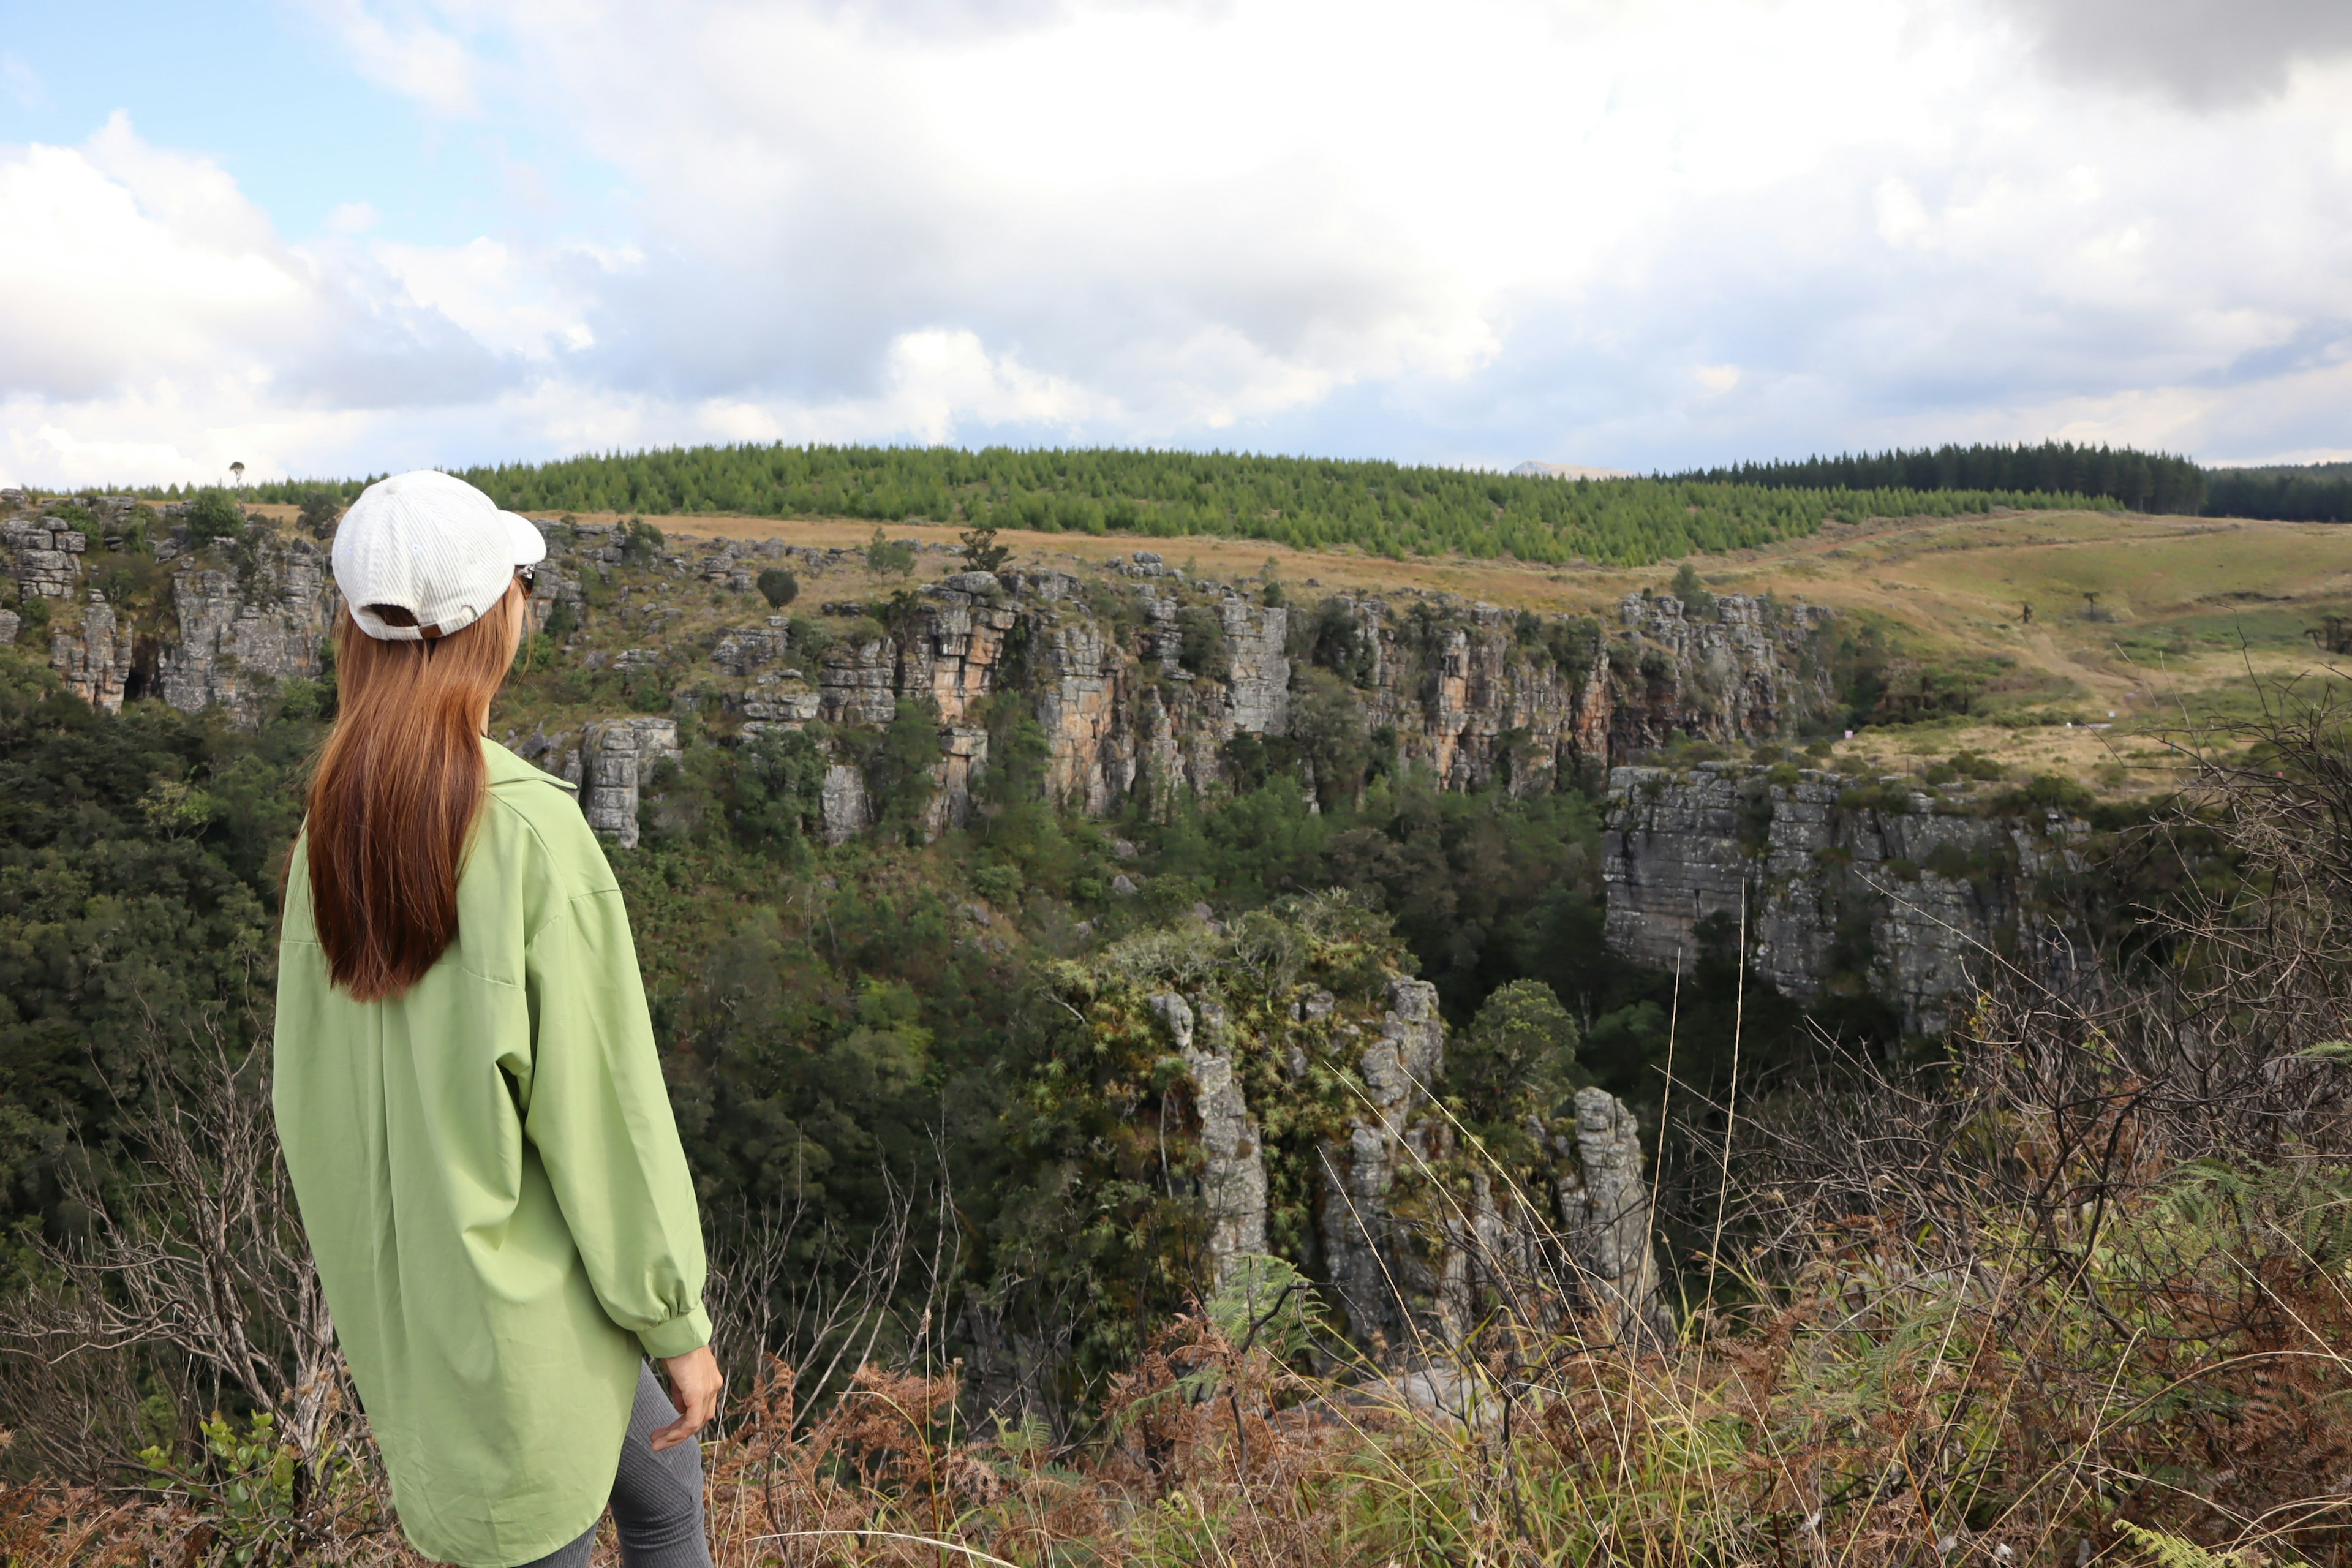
{"x":492,"y":1183}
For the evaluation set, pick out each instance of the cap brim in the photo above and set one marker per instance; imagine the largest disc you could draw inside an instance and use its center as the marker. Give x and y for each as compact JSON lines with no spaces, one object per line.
{"x":529,"y":544}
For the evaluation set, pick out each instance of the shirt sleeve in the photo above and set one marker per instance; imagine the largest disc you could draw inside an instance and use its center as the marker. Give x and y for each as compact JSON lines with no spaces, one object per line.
{"x":600,"y":1118}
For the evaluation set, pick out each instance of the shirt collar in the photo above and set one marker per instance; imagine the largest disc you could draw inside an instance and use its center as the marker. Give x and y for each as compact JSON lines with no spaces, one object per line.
{"x":508,"y":768}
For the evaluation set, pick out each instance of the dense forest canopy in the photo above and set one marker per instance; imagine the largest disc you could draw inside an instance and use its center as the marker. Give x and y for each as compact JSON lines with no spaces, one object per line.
{"x":1385,"y":509}
{"x":2143,"y":482}
{"x":2313,"y":492}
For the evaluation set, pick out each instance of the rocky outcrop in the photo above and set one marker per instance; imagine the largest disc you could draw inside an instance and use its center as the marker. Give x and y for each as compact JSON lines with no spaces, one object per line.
{"x":1605,"y":1210}
{"x":617,"y":759}
{"x":43,"y":554}
{"x":1472,"y":692}
{"x":233,"y":622}
{"x":1232,"y":1178}
{"x":745,"y":652}
{"x":1418,"y":1240}
{"x":93,"y":657}
{"x":1903,"y":891}
{"x":1417,"y":1235}
{"x":1380,"y":1265}
{"x":241,"y":627}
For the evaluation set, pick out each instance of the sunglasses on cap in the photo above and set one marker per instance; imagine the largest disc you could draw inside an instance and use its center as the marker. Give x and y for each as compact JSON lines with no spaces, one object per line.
{"x":526,"y":576}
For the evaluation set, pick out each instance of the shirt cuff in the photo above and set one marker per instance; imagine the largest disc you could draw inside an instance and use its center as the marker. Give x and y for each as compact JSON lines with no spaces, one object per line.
{"x":690,"y":1332}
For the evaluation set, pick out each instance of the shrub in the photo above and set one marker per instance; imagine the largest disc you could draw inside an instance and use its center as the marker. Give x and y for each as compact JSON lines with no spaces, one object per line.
{"x":889,"y":557}
{"x":212,"y":515}
{"x":320,"y":510}
{"x":1335,"y":640}
{"x":775,"y":790}
{"x":981,"y":551}
{"x":2047,"y":792}
{"x":641,"y":542}
{"x":1000,"y":885}
{"x":1204,"y":651}
{"x":1326,"y":723}
{"x":1697,"y":603}
{"x":1518,"y":1056}
{"x":811,"y":638}
{"x":778,"y":588}
{"x":33,"y":620}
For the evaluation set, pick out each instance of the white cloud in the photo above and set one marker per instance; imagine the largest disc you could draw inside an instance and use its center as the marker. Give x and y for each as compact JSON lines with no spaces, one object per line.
{"x":150,"y":311}
{"x":22,"y":82}
{"x":2205,"y":54}
{"x":1637,"y":234}
{"x":401,"y":47}
{"x":1902,"y":216}
{"x":124,"y":261}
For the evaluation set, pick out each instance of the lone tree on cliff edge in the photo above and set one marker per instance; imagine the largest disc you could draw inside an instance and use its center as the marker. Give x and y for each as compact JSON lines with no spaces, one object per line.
{"x":981,"y":551}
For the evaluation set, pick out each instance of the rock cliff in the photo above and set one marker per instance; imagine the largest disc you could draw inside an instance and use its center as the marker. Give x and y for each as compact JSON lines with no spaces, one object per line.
{"x":1140,"y":682}
{"x":240,"y":628}
{"x":128,"y":608}
{"x":1140,"y":692}
{"x":1416,"y":1237}
{"x":1902,"y":890}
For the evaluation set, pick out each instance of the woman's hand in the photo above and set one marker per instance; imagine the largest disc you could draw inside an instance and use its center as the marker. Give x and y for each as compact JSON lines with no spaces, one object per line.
{"x":694,"y":1385}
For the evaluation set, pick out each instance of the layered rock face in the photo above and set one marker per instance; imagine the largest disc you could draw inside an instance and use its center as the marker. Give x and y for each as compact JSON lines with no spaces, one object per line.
{"x":1415,"y":1241}
{"x":1138,"y":688}
{"x":41,"y":554}
{"x":1383,"y":1272}
{"x":1467,"y":695}
{"x":1472,"y":692}
{"x":616,"y":762}
{"x":1233,"y":1182}
{"x":235,"y":622}
{"x":241,"y":630}
{"x":1905,"y":890}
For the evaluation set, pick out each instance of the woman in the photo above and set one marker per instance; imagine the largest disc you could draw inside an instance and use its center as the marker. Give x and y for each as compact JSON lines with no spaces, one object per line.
{"x":466,"y":1087}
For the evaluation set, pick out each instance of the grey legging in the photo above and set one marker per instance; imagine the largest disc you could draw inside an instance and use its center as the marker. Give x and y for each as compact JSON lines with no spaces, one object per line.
{"x":657,"y":1498}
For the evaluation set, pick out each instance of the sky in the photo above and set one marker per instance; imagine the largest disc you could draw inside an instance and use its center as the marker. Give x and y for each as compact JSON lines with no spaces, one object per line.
{"x":349,"y":237}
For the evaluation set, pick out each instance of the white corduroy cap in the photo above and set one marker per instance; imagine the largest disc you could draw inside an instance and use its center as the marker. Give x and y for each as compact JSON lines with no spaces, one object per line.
{"x":431,"y":544}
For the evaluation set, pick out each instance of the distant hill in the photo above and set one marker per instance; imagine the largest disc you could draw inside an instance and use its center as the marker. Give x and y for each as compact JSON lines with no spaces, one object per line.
{"x":1384,"y":508}
{"x":1535,"y":470}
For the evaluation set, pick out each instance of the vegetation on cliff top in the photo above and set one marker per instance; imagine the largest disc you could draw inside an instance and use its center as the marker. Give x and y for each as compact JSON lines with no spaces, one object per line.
{"x":1384,"y":508}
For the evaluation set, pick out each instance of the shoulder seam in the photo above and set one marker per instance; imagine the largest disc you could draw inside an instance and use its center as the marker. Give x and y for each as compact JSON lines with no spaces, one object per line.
{"x":538,"y":777}
{"x":539,"y":840}
{"x":611,"y":893}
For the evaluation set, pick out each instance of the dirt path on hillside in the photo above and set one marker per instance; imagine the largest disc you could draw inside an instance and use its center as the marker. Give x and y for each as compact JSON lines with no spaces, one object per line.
{"x":2104,"y":684}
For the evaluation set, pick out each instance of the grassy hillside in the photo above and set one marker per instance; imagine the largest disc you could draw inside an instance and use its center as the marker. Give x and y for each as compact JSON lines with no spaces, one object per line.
{"x":1384,"y":508}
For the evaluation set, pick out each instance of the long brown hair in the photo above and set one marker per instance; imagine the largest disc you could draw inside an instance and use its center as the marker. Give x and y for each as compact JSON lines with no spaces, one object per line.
{"x":398,"y":788}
